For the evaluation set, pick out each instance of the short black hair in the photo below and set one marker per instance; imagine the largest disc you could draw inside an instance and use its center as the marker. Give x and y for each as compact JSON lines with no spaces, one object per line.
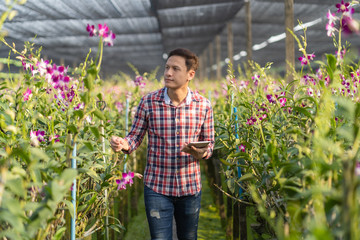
{"x":191,"y":60}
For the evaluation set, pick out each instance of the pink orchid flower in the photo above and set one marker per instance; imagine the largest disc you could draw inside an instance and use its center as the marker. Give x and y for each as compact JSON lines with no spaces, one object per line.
{"x":27,"y":94}
{"x":103,"y":30}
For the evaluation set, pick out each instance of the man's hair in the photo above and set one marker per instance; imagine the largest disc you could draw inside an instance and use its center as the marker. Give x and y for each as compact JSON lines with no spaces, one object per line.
{"x":191,"y":60}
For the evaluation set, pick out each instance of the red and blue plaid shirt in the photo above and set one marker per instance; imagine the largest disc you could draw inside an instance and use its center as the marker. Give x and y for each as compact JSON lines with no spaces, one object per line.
{"x":168,"y":170}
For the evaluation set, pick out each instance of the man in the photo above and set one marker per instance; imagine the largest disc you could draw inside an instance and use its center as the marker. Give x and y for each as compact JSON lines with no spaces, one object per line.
{"x":173,"y":117}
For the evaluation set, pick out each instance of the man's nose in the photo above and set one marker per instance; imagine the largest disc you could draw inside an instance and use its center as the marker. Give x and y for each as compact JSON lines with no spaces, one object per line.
{"x":168,"y":72}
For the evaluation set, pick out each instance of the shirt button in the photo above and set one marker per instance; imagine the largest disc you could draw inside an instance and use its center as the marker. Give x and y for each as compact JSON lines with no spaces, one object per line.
{"x":177,"y":132}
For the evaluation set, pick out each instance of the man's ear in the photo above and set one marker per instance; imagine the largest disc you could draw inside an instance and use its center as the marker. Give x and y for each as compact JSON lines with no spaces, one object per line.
{"x":191,"y":74}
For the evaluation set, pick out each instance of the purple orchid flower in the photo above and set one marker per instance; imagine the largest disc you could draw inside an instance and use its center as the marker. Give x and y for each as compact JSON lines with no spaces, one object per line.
{"x":342,"y":7}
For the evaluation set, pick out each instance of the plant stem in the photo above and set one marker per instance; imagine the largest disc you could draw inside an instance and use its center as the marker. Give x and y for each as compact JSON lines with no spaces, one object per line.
{"x":100,"y":53}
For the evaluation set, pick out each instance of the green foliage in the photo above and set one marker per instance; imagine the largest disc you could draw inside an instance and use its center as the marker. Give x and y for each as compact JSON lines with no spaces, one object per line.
{"x":36,"y":175}
{"x":299,"y":164}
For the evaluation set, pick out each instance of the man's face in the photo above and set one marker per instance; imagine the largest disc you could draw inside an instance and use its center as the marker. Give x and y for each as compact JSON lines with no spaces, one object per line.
{"x":176,"y":75}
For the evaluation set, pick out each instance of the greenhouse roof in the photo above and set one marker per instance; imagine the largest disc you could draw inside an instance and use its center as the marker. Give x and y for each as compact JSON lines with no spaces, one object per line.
{"x":148,"y":29}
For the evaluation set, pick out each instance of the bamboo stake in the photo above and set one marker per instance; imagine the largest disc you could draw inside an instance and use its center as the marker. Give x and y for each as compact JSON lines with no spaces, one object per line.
{"x":289,"y":40}
{"x":218,"y":58}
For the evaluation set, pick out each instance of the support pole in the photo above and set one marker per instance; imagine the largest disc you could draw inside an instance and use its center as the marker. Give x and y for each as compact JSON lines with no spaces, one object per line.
{"x":289,"y":41}
{"x":248,"y":31}
{"x":239,"y":208}
{"x":126,"y":128}
{"x":230,"y":42}
{"x":211,"y":60}
{"x":206,"y":63}
{"x":218,"y":58}
{"x":201,"y":68}
{"x":73,"y":195}
{"x":101,"y":105}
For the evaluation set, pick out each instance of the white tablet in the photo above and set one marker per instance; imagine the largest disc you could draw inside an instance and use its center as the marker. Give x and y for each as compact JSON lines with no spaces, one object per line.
{"x":200,"y":144}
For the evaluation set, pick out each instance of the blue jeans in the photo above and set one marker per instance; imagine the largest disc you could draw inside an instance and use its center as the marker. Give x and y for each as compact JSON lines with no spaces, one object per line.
{"x":161,"y":209}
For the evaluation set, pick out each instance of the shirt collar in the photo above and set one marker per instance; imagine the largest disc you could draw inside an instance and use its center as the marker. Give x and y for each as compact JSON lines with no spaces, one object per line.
{"x":187,"y":100}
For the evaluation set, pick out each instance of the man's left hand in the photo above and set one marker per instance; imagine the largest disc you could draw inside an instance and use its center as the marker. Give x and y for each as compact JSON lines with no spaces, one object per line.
{"x":197,"y":153}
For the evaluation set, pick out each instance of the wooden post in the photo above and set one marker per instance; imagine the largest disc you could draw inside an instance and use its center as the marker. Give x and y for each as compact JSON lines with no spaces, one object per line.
{"x":229,"y":216}
{"x":230,"y":42}
{"x":236,"y":222}
{"x":218,"y":194}
{"x":205,"y":63}
{"x":289,"y":41}
{"x":201,"y":68}
{"x":68,"y":163}
{"x":211,"y":60}
{"x":218,"y":58}
{"x":243,"y":222}
{"x":248,"y":31}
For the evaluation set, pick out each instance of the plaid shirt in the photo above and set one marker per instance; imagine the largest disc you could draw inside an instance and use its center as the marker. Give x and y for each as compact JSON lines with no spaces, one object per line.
{"x":168,"y":170}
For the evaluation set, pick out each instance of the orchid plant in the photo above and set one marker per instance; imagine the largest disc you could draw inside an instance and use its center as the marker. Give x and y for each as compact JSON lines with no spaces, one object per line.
{"x":43,"y":115}
{"x":298,"y":142}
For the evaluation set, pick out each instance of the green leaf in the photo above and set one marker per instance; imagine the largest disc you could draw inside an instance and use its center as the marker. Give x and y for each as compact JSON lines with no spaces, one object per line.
{"x":16,"y":186}
{"x":117,"y":227}
{"x":57,"y":145}
{"x":99,"y":95}
{"x":90,"y":78}
{"x":95,"y":131}
{"x":68,"y":175}
{"x":89,"y":145}
{"x":271,"y":151}
{"x":247,"y":177}
{"x":90,"y":202}
{"x":303,"y":111}
{"x":13,"y":220}
{"x":331,"y":67}
{"x":231,"y":184}
{"x":330,"y":73}
{"x":291,"y":190}
{"x":70,"y":207}
{"x":38,"y":154}
{"x":17,"y":170}
{"x":59,"y":233}
{"x":85,"y":97}
{"x":99,"y":114}
{"x":93,"y":174}
{"x":89,"y":82}
{"x":14,"y":208}
{"x":72,"y":128}
{"x":331,"y":60}
{"x":226,"y":162}
{"x":266,"y":236}
{"x":61,"y":185}
{"x":79,"y":113}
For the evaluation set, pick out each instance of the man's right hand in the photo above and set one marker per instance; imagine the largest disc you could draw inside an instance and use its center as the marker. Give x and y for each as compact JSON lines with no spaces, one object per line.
{"x":117,"y":144}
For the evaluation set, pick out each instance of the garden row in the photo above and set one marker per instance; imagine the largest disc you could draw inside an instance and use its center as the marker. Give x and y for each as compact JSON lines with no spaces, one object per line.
{"x":286,"y":152}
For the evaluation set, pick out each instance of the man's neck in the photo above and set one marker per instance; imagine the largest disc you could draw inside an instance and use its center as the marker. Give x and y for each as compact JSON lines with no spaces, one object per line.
{"x":177,"y":95}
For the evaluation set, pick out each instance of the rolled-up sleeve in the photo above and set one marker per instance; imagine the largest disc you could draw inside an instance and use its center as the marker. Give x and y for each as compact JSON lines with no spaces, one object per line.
{"x":138,"y":129}
{"x":207,"y":133}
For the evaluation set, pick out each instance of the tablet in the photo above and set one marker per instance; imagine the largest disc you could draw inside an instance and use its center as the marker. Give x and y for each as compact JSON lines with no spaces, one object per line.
{"x":200,"y":144}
